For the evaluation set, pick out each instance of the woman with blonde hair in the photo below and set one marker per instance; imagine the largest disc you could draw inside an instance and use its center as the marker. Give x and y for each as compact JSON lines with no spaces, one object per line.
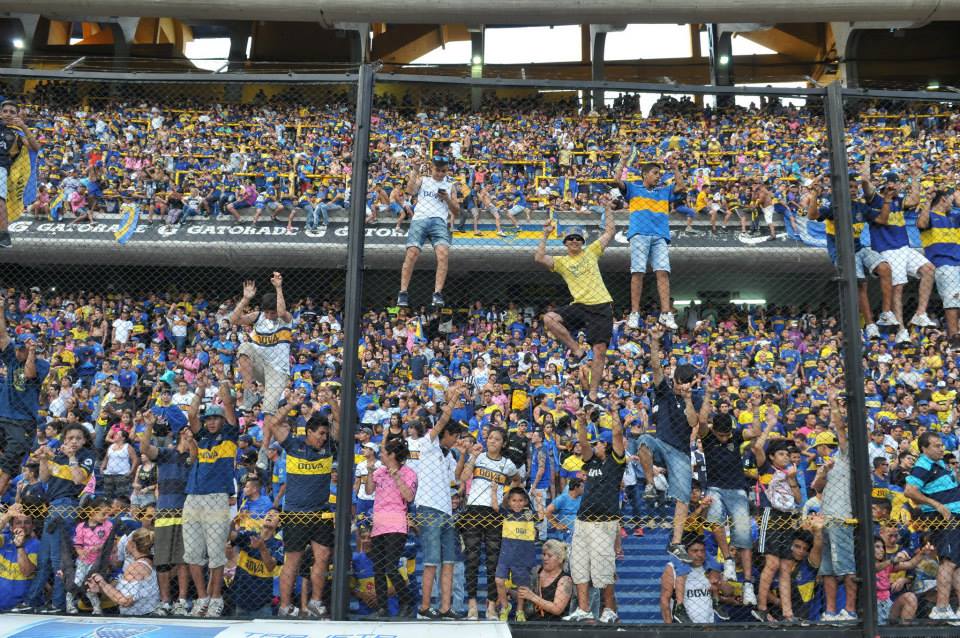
{"x":552,"y":586}
{"x":136,"y":592}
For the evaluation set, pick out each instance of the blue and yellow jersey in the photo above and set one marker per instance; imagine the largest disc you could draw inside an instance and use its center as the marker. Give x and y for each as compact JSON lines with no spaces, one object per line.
{"x":60,"y":484}
{"x":308,"y":475}
{"x":941,"y":241}
{"x":13,"y":584}
{"x":212,"y":473}
{"x":253,"y":582}
{"x":649,"y":210}
{"x":893,"y":234}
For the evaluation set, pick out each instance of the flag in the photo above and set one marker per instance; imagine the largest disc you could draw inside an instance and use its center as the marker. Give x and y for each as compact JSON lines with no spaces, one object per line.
{"x":21,"y":182}
{"x":56,"y":207}
{"x":418,"y":329}
{"x":128,"y":222}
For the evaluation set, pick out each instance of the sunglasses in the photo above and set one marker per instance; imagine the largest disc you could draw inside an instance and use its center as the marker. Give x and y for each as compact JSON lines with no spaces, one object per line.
{"x":573,"y":238}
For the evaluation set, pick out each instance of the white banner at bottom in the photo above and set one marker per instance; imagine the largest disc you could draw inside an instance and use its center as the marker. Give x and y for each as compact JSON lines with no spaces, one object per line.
{"x":28,"y":626}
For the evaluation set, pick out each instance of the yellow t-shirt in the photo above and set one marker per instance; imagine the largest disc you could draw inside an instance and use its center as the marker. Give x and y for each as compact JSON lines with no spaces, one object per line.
{"x":582,"y":274}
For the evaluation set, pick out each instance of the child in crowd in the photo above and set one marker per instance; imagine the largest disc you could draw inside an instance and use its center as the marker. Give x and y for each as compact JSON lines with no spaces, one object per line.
{"x":89,"y":539}
{"x":518,"y":550}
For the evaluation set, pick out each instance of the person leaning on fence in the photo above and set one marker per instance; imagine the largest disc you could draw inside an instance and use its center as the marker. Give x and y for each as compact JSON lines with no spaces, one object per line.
{"x":173,"y":469}
{"x":832,"y":481}
{"x":934,"y":487}
{"x":941,"y":245}
{"x":437,"y":203}
{"x":18,"y":552}
{"x":14,"y":135}
{"x":693,"y":597}
{"x":676,"y":411}
{"x":206,"y":510}
{"x":592,"y":307}
{"x":595,"y":532}
{"x":259,"y":556}
{"x":435,"y":475}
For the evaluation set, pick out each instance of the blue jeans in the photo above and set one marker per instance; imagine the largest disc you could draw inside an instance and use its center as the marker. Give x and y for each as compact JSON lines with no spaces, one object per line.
{"x":315,"y":214}
{"x":100,"y":436}
{"x":60,"y":520}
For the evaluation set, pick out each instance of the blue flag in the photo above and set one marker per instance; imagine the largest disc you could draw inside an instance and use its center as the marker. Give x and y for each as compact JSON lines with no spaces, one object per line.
{"x":56,"y":207}
{"x":128,"y":223}
{"x":21,"y":182}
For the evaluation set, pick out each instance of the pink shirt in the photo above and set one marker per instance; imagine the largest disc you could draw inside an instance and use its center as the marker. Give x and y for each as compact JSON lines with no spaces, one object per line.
{"x":389,"y":508}
{"x":88,"y":541}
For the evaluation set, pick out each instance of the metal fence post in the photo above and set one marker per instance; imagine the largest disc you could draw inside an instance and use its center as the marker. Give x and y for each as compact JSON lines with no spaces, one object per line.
{"x":852,"y":357}
{"x":352,"y":312}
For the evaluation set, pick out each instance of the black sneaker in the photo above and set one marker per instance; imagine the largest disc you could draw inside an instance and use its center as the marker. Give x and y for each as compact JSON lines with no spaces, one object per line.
{"x":23,"y":608}
{"x":51,"y":610}
{"x":438,"y":299}
{"x":451,"y":614}
{"x":5,"y":241}
{"x":763,"y":615}
{"x":407,"y":611}
{"x":680,"y":615}
{"x":403,"y":299}
{"x":428,"y":614}
{"x":679,"y":552}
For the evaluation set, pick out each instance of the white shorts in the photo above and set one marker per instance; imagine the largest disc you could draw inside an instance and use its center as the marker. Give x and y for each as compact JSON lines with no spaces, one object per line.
{"x":904,"y":262}
{"x":274,"y":381}
{"x":948,"y":285}
{"x":768,"y":214}
{"x":867,"y":261}
{"x":593,"y":557}
{"x":206,"y":526}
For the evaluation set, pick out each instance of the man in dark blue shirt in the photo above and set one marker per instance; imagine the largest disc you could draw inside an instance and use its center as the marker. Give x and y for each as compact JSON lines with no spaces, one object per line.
{"x":19,"y":398}
{"x":676,"y":413}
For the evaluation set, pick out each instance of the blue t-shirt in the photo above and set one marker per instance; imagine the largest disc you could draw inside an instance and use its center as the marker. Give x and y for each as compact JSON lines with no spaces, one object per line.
{"x":566,"y":508}
{"x":893,"y":234}
{"x":19,"y":396}
{"x":672,"y":426}
{"x":649,"y":210}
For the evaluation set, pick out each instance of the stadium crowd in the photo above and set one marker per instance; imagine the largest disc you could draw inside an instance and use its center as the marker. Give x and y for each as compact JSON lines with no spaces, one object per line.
{"x":289,"y":157}
{"x":159,"y":479}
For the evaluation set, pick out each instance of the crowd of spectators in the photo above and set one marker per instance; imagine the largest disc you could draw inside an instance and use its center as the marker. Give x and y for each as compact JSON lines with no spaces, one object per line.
{"x":289,"y":155}
{"x":472,"y":440}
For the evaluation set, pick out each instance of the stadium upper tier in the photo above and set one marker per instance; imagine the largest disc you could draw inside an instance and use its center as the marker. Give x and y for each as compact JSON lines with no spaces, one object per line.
{"x":509,"y":11}
{"x":534,"y":157}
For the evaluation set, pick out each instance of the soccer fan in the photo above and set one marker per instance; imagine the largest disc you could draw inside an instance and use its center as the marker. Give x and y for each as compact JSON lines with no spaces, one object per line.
{"x":593,"y":554}
{"x":14,"y":136}
{"x":307,"y":520}
{"x":677,"y":414}
{"x":941,"y":245}
{"x":18,"y":549}
{"x":433,"y":214}
{"x":592,"y":307}
{"x":649,"y":232}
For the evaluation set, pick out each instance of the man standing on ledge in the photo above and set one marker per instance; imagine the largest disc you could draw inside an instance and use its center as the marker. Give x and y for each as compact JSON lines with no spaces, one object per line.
{"x":649,"y":233}
{"x":437,"y":204}
{"x":591,"y":309}
{"x":13,"y":134}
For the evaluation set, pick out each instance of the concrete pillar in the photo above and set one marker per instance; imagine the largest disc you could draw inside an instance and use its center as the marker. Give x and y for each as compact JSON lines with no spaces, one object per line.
{"x":476,"y":65}
{"x":29,"y":23}
{"x":598,"y":42}
{"x":846,"y":39}
{"x":721,"y":60}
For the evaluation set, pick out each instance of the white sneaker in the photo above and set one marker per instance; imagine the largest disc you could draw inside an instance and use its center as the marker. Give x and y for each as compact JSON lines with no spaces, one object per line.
{"x":749,"y":597}
{"x":633,"y":322}
{"x":903,"y":336}
{"x":729,"y":570}
{"x":872,"y":331}
{"x":942,"y":613}
{"x":609,"y":616}
{"x":578,"y":615}
{"x":200,"y":607}
{"x":887,"y":319}
{"x":179,"y":608}
{"x":71,"y":604}
{"x":845,"y":616}
{"x":828,"y":617}
{"x":666,"y":320}
{"x":215,"y":608}
{"x":289,"y":611}
{"x":162,"y":610}
{"x":923,"y":321}
{"x":315,"y":609}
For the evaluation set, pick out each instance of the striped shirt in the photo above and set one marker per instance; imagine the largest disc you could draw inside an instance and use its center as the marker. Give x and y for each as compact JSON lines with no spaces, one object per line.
{"x":649,"y":210}
{"x":935,"y":480}
{"x":941,"y":241}
{"x":60,"y":484}
{"x":308,"y":475}
{"x":212,"y":473}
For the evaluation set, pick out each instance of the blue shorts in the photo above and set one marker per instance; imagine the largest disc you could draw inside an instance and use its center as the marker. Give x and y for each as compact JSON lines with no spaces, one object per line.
{"x":438,"y":538}
{"x":648,"y":249}
{"x":733,"y":504}
{"x":947,"y":542}
{"x":4,"y":173}
{"x":837,"y":558}
{"x":432,"y":229}
{"x":678,"y":464}
{"x":516,"y":562}
{"x":240,"y":205}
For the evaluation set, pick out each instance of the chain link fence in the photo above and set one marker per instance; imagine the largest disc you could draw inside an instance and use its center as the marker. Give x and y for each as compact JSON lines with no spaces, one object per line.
{"x":601,"y":356}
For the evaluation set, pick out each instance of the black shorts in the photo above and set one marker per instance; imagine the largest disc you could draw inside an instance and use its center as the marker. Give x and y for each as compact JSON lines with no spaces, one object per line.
{"x":15,"y":440}
{"x":777,"y":531}
{"x":302,"y":528}
{"x":595,"y":321}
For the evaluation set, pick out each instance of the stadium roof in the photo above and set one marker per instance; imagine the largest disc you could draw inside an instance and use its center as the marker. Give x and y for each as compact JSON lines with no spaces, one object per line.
{"x":330,"y":12}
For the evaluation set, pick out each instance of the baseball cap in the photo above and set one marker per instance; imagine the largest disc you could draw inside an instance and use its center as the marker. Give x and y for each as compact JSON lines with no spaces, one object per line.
{"x":24,"y":339}
{"x":575,"y":232}
{"x":372,"y":446}
{"x":212,"y":411}
{"x":826,"y":438}
{"x":275,"y":446}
